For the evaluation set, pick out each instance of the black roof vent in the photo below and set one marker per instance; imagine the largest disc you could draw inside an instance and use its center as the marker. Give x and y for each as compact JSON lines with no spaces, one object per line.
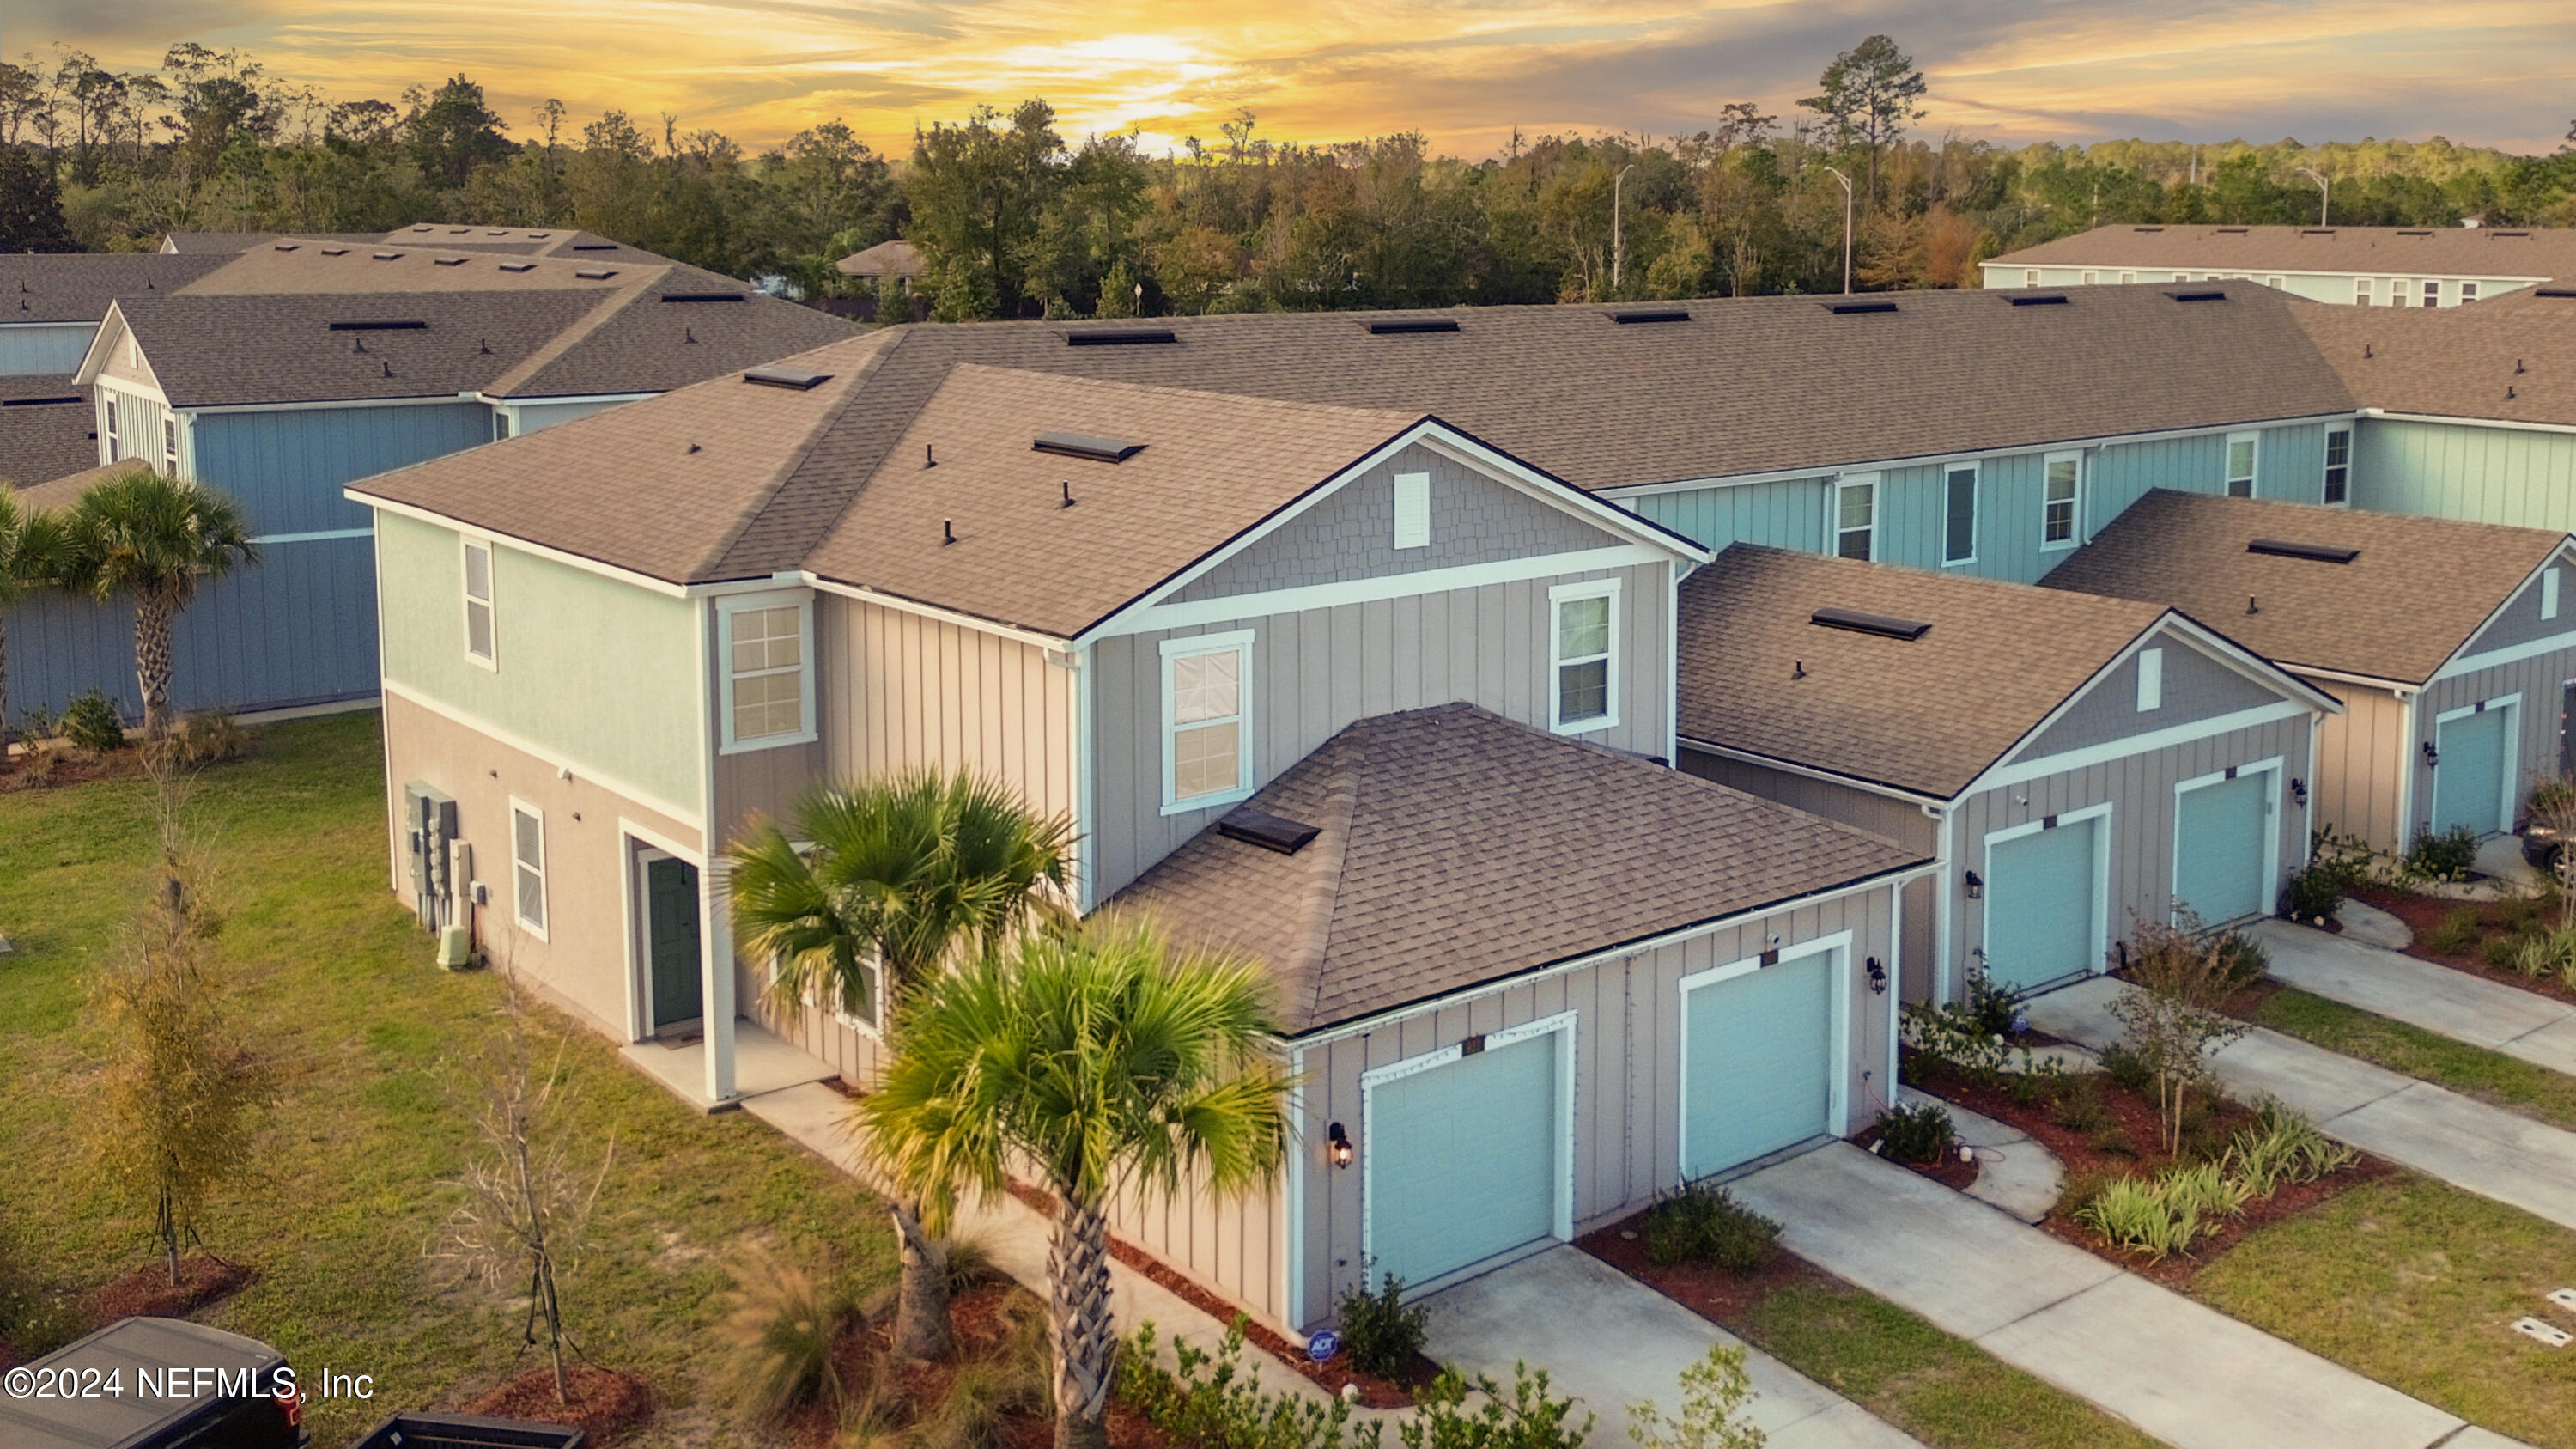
{"x":518,"y":266}
{"x":335,"y":251}
{"x":1850,"y":309}
{"x":2198,"y":296}
{"x":1120,"y":337}
{"x":594,"y":246}
{"x":1857,"y":622}
{"x":2414,"y":233}
{"x":447,"y":261}
{"x":2508,"y":233}
{"x":594,"y":274}
{"x":1270,"y":832}
{"x":2312,"y":552}
{"x":386,"y":256}
{"x":2234,"y":230}
{"x":37,"y":402}
{"x":539,"y":235}
{"x":288,"y":246}
{"x":2146,"y":228}
{"x":2316,"y":231}
{"x":2038,"y":299}
{"x":420,"y":228}
{"x":704,"y":297}
{"x":1084,"y":445}
{"x":2553,"y":291}
{"x":795,"y":377}
{"x":407,"y":325}
{"x":1661,"y":314}
{"x":1402,"y":326}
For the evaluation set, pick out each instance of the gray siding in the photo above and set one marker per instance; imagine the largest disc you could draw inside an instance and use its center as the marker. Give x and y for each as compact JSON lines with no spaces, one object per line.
{"x":138,"y":428}
{"x":1351,"y":535}
{"x":2519,"y":622}
{"x":2459,"y":470}
{"x":44,"y":348}
{"x":2539,"y":681}
{"x":2196,"y":687}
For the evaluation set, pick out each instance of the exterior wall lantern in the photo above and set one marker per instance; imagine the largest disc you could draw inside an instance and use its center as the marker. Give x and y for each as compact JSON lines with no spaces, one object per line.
{"x":2299,"y":790}
{"x":1877,"y":978}
{"x":1341,"y":1145}
{"x":2432,"y":756}
{"x":1976,"y":885}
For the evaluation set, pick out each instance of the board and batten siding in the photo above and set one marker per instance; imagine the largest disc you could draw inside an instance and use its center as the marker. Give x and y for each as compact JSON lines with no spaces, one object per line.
{"x":44,"y":349}
{"x":1319,"y":670}
{"x":2194,"y":687}
{"x":2520,"y":620}
{"x":1627,"y":1072}
{"x":2362,"y":758}
{"x":2462,"y":470}
{"x":288,"y":465}
{"x":2539,"y":681}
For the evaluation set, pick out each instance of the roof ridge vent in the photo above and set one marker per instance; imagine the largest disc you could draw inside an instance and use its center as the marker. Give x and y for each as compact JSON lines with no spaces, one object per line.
{"x":2198,"y":296}
{"x":1120,"y":337}
{"x":373,"y":325}
{"x":447,"y":261}
{"x":1270,"y":832}
{"x":1086,"y":445}
{"x":518,"y":266}
{"x":2038,"y":299}
{"x":1856,"y":309}
{"x":704,"y":297}
{"x":2312,"y":552}
{"x":386,"y":256}
{"x":1880,"y":625}
{"x":796,"y":378}
{"x":335,"y":251}
{"x":1652,"y":314}
{"x":1404,"y":326}
{"x":594,"y":274}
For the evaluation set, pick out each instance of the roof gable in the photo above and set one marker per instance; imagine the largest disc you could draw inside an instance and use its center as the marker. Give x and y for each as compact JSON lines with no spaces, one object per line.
{"x":2198,"y":679}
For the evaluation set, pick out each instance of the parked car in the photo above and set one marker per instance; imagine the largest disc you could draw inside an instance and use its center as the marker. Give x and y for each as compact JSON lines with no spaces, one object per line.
{"x":2540,"y":843}
{"x":154,"y":1383}
{"x":465,"y":1431}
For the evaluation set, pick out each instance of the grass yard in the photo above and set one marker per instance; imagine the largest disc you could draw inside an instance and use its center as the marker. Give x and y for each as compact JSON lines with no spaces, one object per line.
{"x":2416,"y":1284}
{"x":2472,"y":1071}
{"x":336,"y":1208}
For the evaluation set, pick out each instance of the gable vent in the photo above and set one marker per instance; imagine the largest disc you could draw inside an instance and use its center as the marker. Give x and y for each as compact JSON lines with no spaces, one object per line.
{"x":1120,"y":337}
{"x":2312,"y":552}
{"x":594,"y":274}
{"x":405,"y":325}
{"x":1404,"y":326}
{"x":518,"y":266}
{"x":1856,"y":622}
{"x":1665,"y":314}
{"x":1270,"y":832}
{"x":789,"y":377}
{"x":703,"y":297}
{"x":2198,"y":296}
{"x":1855,"y":309}
{"x":2042,"y":299}
{"x":1084,"y":445}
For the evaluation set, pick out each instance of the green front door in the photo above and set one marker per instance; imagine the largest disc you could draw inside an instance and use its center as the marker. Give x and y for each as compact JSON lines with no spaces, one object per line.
{"x":2219,"y":833}
{"x":671,"y":938}
{"x":2468,"y":778}
{"x":2042,"y":894}
{"x":1464,"y":1160}
{"x":1758,"y":1063}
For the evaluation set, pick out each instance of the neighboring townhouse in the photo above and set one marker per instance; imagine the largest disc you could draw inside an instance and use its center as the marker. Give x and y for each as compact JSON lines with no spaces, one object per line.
{"x":293,"y":368}
{"x":52,"y":302}
{"x":2445,"y":640}
{"x":45,"y":429}
{"x":522,"y":241}
{"x":2076,"y":764}
{"x":2367,"y":266}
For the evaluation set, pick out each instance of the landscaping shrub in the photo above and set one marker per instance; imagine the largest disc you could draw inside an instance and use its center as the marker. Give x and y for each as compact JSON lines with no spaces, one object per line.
{"x":2313,"y":894}
{"x":2166,"y":1214}
{"x":2080,"y":1107}
{"x":2280,"y":1148}
{"x":1528,"y":1418}
{"x":2173,"y":1021}
{"x":1964,"y":1038}
{"x":1379,"y":1332}
{"x":985,"y":1391}
{"x":91,"y":722}
{"x":2552,"y":798}
{"x":1920,"y":1132}
{"x":2543,"y":954}
{"x":2450,"y":855}
{"x":1213,"y":1401}
{"x":1991,"y":1010}
{"x":2242,"y":962}
{"x":208,"y":738}
{"x":2456,"y":936}
{"x":1703,"y":1223}
{"x":778,"y":1337}
{"x":1714,"y":1392}
{"x":2127,"y":1067}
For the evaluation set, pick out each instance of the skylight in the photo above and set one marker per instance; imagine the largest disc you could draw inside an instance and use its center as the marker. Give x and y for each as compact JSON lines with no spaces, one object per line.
{"x":1856,"y":622}
{"x":2312,"y":552}
{"x":1084,"y":445}
{"x":1851,"y":309}
{"x":1120,"y":337}
{"x":1400,"y":326}
{"x":788,"y":377}
{"x":1270,"y":832}
{"x":1665,"y":314}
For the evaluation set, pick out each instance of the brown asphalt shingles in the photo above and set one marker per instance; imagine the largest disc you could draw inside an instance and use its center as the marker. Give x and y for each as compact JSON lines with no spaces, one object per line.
{"x":77,"y":286}
{"x":2407,"y":253}
{"x":2510,"y":360}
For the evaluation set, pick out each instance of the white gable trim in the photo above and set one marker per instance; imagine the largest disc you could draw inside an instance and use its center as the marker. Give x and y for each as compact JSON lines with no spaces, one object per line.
{"x":2459,"y":664}
{"x":2377,"y":415}
{"x":2023,"y":771}
{"x":1371,"y":590}
{"x":2183,"y":629}
{"x":552,"y":555}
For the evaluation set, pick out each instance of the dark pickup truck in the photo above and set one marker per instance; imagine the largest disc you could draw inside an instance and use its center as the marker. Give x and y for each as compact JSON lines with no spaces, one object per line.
{"x":154,"y":1383}
{"x":464,"y":1431}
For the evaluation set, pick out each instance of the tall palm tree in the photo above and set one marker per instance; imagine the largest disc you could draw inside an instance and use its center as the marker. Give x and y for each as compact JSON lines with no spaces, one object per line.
{"x":155,"y":538}
{"x":911,"y":873}
{"x":30,"y":557}
{"x":1106,"y":1062}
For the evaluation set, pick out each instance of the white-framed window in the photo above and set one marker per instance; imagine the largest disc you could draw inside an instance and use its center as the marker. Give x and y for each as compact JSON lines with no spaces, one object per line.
{"x":500,"y":426}
{"x":2549,"y":592}
{"x":2468,"y":293}
{"x":2061,"y":500}
{"x":1584,"y":636}
{"x":2091,"y":278}
{"x":767,"y":680}
{"x":1207,"y":720}
{"x":1856,"y":517}
{"x":481,"y":639}
{"x":2274,"y":282}
{"x":2242,"y":449}
{"x":2127,"y":277}
{"x":2338,"y":465}
{"x":2151,"y":679}
{"x":2030,"y":279}
{"x":1412,"y":510}
{"x":107,"y":427}
{"x":1959,"y":514}
{"x":2397,"y":287}
{"x":2432,"y":293}
{"x":528,"y":867}
{"x":2361,"y":291}
{"x":170,"y":446}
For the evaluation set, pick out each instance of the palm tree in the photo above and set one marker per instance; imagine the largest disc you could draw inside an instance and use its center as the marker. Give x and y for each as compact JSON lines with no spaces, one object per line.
{"x":30,"y":556}
{"x":910,"y":873}
{"x":1104,"y":1062}
{"x":153,"y":537}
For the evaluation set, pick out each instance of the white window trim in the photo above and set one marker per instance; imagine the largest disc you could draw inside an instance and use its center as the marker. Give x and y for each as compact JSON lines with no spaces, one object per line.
{"x":1412,"y":497}
{"x":2101,"y":943}
{"x":2092,"y":278}
{"x":2346,"y":434}
{"x":1838,"y":1104}
{"x":491,"y":604}
{"x":2151,"y":680}
{"x":545,"y":869}
{"x":2030,"y":278}
{"x":726,"y":608}
{"x":2128,"y":278}
{"x":107,"y":427}
{"x":2469,"y":291}
{"x":2075,"y":528}
{"x":2253,"y":465}
{"x":2271,"y":835}
{"x":1240,"y":641}
{"x":170,"y":444}
{"x":1976,"y":509}
{"x":1852,"y":482}
{"x":1557,"y":596}
{"x":2432,"y":292}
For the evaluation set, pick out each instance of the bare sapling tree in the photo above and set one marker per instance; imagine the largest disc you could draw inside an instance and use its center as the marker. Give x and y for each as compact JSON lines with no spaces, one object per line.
{"x":529,"y":1194}
{"x":2173,"y":1021}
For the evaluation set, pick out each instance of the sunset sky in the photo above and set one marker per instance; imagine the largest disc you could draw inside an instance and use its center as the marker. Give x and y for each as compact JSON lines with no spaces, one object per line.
{"x":2490,"y":72}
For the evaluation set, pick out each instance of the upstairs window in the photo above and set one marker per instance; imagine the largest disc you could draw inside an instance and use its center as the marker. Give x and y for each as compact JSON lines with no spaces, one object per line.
{"x":2432,"y":294}
{"x":2090,"y":278}
{"x":170,"y":446}
{"x":107,"y":429}
{"x":2338,"y":465}
{"x":2361,"y":291}
{"x":2397,"y":288}
{"x":1586,"y":636}
{"x":1412,"y":510}
{"x":478,"y":604}
{"x":2549,"y":592}
{"x":768,"y":690}
{"x":1856,"y":517}
{"x":2468,"y":293}
{"x":2030,"y":279}
{"x":2061,"y":498}
{"x":528,"y":867}
{"x":2241,"y":448}
{"x":2127,"y":277}
{"x":1959,"y":515}
{"x":1207,"y":699}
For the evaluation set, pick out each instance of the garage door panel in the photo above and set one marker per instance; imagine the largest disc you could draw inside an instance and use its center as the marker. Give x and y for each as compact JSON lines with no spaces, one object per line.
{"x":2220,"y":833}
{"x":2043,"y":892}
{"x":1464,"y":1159}
{"x":1760,"y":1072}
{"x":2468,"y":782}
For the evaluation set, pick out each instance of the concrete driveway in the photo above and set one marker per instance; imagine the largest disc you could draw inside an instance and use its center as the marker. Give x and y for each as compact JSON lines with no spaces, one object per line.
{"x":2538,"y":1029}
{"x":1611,"y":1341}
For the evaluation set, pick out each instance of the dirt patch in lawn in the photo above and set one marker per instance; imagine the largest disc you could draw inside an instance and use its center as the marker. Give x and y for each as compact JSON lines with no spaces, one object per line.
{"x":149,"y":1293}
{"x":2498,"y":926}
{"x":605,"y":1403}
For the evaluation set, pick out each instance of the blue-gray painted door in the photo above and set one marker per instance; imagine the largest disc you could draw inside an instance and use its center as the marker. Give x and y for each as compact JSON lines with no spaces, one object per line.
{"x":1761,"y":1057}
{"x":1464,"y":1160}
{"x":671,"y":939}
{"x":2468,"y":780}
{"x":2219,"y":831}
{"x":2042,"y":891}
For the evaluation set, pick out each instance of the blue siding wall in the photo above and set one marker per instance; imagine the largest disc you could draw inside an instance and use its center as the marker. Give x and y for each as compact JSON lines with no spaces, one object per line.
{"x":2452,"y":470}
{"x":287,"y":468}
{"x":45,"y":348}
{"x":1788,"y":514}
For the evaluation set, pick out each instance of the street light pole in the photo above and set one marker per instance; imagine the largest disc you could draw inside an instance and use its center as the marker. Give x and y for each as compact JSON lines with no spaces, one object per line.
{"x":1617,"y":242}
{"x":1847,"y":227}
{"x":2325,"y":191}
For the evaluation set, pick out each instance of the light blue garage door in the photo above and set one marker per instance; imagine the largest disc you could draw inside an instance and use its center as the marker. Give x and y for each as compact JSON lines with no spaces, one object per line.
{"x":1758,"y":1074}
{"x":2468,"y":783}
{"x":1463,"y":1160}
{"x":2042,"y":892}
{"x":2219,"y":831}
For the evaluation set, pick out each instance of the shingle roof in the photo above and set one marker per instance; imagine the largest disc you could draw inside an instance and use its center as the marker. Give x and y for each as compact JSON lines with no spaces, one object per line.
{"x":2418,"y":590}
{"x":230,"y":243}
{"x":42,"y":439}
{"x":1456,"y":848}
{"x":2405,"y":252}
{"x":211,"y":351}
{"x":64,"y":491}
{"x":887,"y":258}
{"x":77,"y":286}
{"x":2510,"y":360}
{"x":1925,"y":715}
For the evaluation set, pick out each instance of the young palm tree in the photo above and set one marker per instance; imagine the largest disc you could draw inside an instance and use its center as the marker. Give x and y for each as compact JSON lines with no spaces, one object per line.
{"x":1103,"y":1061}
{"x":155,"y":538}
{"x":30,"y":557}
{"x":913,"y":872}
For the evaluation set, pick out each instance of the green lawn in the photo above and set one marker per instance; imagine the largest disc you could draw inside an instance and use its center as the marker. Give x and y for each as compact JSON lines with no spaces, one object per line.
{"x":344,"y":1192}
{"x":1944,"y":1391}
{"x":2416,"y":1284}
{"x":2489,"y":1076}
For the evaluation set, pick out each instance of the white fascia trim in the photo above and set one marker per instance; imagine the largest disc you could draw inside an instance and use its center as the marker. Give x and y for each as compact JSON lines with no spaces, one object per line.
{"x":552,"y":555}
{"x":317,"y":537}
{"x":1371,"y":590}
{"x":820,"y":584}
{"x":2469,"y":663}
{"x":2243,"y":661}
{"x":1824,"y":472}
{"x":1292,"y":1288}
{"x":2181,"y":734}
{"x":2378,"y":415}
{"x":2268,"y":271}
{"x":1549,"y":488}
{"x":2370,"y":681}
{"x":1810,"y":772}
{"x":326,"y":404}
{"x":499,"y":401}
{"x":128,"y":387}
{"x":2459,"y":664}
{"x":101,"y":346}
{"x":453,"y":715}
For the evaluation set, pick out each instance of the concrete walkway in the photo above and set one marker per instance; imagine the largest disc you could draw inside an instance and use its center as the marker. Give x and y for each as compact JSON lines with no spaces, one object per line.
{"x":1611,"y":1341}
{"x":2440,"y":1133}
{"x":2015,"y":1174}
{"x":2184,"y":1373}
{"x":2538,"y":1029}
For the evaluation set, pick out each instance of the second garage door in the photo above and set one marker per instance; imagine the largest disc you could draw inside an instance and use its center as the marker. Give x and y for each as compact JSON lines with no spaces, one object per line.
{"x":2043,"y":901}
{"x":1464,"y":1159}
{"x":1758,"y":1059}
{"x":2468,"y":779}
{"x":2220,"y":831}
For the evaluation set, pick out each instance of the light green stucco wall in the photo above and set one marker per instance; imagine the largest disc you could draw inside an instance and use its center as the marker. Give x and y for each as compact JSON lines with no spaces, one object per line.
{"x":2455,"y":470}
{"x":602,"y":673}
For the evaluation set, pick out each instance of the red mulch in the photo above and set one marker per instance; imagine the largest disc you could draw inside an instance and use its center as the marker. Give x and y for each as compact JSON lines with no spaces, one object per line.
{"x":1710,"y":1291}
{"x":1949,"y":1171}
{"x":148,"y":1292}
{"x":2424,"y":915}
{"x":605,"y":1403}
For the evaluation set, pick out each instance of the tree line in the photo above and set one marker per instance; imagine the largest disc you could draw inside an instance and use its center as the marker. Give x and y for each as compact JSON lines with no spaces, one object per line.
{"x":1015,"y":218}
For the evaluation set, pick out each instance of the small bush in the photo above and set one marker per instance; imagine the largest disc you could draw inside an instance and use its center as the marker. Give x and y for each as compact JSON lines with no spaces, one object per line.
{"x":986,"y":1391}
{"x":2313,"y":894}
{"x":2555,"y":796}
{"x":2080,"y":1107}
{"x":2242,"y":962}
{"x":2280,"y":1148}
{"x":1715,"y":1391}
{"x":1215,"y":1401}
{"x":1380,"y":1333}
{"x":210,"y":738}
{"x":1704,"y":1223}
{"x":778,"y":1335}
{"x":91,"y":722}
{"x":1992,"y":1011}
{"x":1921,"y":1132}
{"x":2519,"y":913}
{"x":2451,"y":855}
{"x":2542,"y":954}
{"x":2456,"y":936}
{"x":1529,"y":1417}
{"x":2166,"y":1214}
{"x":2128,"y":1067}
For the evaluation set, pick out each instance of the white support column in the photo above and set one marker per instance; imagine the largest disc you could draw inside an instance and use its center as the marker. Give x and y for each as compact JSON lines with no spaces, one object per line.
{"x":715,"y":966}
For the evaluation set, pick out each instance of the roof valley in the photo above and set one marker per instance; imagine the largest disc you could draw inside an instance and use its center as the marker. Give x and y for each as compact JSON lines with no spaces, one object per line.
{"x":1324,"y":886}
{"x":563,"y":342}
{"x":722,"y":557}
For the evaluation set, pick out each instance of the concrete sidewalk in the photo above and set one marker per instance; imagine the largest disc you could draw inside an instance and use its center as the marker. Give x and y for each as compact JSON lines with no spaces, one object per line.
{"x":2538,"y":1029}
{"x":1611,"y":1341}
{"x":2187,"y":1374}
{"x":2440,"y":1133}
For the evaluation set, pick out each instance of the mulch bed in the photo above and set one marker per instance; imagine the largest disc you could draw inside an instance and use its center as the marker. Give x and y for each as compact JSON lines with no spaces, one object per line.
{"x":605,"y":1403}
{"x":1949,"y":1171}
{"x":148,"y":1292}
{"x":1712,"y":1292}
{"x":2424,"y":916}
{"x":70,"y":767}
